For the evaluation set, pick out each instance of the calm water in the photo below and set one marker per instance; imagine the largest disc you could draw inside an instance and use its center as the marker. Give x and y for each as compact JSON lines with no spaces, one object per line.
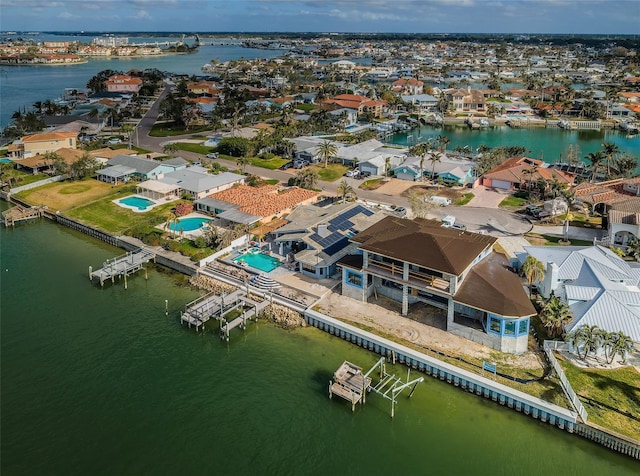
{"x":21,"y":86}
{"x":547,"y":144}
{"x":99,"y":381}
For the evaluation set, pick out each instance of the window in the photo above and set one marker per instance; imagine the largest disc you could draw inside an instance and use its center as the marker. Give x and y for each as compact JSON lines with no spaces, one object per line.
{"x":523,"y":327}
{"x":353,"y":279}
{"x":510,"y":328}
{"x":494,"y":325}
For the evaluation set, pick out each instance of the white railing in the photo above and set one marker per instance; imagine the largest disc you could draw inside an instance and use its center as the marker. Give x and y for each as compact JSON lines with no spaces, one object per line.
{"x":549,"y":347}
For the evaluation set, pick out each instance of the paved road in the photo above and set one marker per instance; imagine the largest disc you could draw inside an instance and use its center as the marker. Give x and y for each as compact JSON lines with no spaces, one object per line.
{"x":492,"y":221}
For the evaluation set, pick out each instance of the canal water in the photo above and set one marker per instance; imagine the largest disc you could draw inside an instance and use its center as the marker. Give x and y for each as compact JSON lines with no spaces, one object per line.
{"x":549,"y":145}
{"x":100,"y":381}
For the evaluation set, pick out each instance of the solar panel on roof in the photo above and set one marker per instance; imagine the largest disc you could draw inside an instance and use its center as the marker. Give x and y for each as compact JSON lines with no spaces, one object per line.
{"x":337,"y":246}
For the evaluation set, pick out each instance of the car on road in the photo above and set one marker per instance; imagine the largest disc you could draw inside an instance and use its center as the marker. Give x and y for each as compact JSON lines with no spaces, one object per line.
{"x":286,"y":166}
{"x":212,"y":155}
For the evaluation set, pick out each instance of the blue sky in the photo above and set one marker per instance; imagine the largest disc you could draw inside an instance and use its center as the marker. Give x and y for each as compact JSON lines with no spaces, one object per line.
{"x":403,"y":16}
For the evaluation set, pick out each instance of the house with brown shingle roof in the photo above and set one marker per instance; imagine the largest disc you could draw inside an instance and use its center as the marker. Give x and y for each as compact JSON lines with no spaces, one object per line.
{"x":40,"y":163}
{"x":518,"y":172}
{"x":418,"y":262}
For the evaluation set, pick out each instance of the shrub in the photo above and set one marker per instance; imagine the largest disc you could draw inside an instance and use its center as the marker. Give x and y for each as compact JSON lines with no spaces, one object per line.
{"x":183,"y":209}
{"x":235,"y":146}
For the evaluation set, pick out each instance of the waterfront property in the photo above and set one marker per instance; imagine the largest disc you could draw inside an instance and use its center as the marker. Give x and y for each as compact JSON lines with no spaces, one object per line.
{"x":190,"y":225}
{"x":123,"y":168}
{"x":254,"y":258}
{"x":316,"y":238}
{"x":419,"y":261}
{"x":522,"y":172}
{"x":136,"y":203}
{"x":600,"y":288}
{"x":122,"y":266}
{"x":42,"y":143}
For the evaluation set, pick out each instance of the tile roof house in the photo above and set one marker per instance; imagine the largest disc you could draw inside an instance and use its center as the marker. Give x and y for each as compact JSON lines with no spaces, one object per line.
{"x":518,"y":172}
{"x":361,"y":104}
{"x":42,"y":143}
{"x":123,"y":83}
{"x":419,"y":261}
{"x":247,"y":205}
{"x":41,"y":163}
{"x":600,"y":288}
{"x":407,"y":86}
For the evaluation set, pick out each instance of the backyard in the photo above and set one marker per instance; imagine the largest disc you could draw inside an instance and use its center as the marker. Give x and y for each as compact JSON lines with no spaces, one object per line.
{"x":66,"y":195}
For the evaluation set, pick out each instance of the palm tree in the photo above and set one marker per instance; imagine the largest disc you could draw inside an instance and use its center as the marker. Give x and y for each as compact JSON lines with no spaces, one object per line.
{"x":622,"y":346}
{"x":242,"y":161}
{"x":170,"y":148}
{"x":591,"y":339}
{"x":420,"y":150}
{"x":596,"y":158}
{"x":533,"y":270}
{"x":435,"y":157}
{"x":345,"y":190}
{"x":387,"y":166}
{"x":576,"y":339}
{"x":609,"y":149}
{"x":326,"y":150}
{"x":443,"y":141}
{"x":555,"y":314}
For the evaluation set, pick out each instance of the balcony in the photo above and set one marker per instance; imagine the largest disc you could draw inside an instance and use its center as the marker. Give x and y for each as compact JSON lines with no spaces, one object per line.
{"x":417,"y":279}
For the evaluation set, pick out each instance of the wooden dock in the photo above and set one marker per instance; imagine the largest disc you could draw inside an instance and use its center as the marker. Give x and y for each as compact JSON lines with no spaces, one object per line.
{"x":122,"y":266}
{"x":20,"y":213}
{"x":241,"y":321}
{"x":201,"y":310}
{"x":351,"y":384}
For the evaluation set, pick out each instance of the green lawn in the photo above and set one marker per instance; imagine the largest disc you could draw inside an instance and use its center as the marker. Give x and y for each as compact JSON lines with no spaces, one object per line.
{"x":466,"y":198}
{"x":331,"y":173}
{"x":270,"y":164}
{"x":106,"y":215}
{"x":191,"y":147}
{"x":611,"y":397}
{"x":25,"y":178}
{"x":371,"y":184}
{"x":169,"y":129}
{"x":306,"y":107}
{"x":512,"y":202}
{"x":140,"y":150}
{"x":555,"y":241}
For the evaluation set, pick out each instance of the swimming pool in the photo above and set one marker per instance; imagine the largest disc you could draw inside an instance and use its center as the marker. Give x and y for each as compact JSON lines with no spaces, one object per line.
{"x":188,"y":223}
{"x":137,"y":202}
{"x":259,"y":261}
{"x":4,"y":160}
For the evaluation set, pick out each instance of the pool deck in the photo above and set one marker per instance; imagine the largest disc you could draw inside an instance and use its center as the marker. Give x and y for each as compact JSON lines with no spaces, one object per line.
{"x":133,"y":208}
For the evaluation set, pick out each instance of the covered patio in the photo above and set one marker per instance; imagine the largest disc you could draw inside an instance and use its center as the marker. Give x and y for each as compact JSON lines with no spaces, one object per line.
{"x":156,"y":190}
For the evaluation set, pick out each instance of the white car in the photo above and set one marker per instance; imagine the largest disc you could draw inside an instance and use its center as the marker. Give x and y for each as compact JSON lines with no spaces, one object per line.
{"x":352,"y":173}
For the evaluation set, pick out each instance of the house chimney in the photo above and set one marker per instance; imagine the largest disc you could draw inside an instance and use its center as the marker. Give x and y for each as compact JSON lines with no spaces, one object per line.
{"x":323,"y":230}
{"x":551,"y":280}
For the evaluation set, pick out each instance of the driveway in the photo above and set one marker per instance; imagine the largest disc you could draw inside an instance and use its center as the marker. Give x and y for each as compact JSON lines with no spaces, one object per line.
{"x":492,"y":221}
{"x":487,"y":197}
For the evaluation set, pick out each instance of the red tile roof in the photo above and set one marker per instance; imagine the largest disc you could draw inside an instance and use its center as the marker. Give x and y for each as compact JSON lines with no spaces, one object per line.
{"x":264,"y":201}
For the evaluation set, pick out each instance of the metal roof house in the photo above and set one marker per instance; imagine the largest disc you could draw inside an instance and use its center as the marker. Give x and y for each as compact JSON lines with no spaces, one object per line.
{"x":197,"y":183}
{"x":419,"y":261}
{"x":600,"y":288}
{"x":130,"y":166}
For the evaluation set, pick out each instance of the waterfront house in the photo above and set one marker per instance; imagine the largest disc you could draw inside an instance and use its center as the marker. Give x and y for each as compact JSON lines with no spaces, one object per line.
{"x":316,"y":238}
{"x":467,"y":100}
{"x":41,"y":163}
{"x":419,"y":261}
{"x":123,"y":83}
{"x":42,"y":143}
{"x":361,"y":104}
{"x":407,"y":86}
{"x":423,"y":103}
{"x":600,"y":288}
{"x":370,"y":156}
{"x":242,"y":204}
{"x":521,"y":172}
{"x":451,"y":170}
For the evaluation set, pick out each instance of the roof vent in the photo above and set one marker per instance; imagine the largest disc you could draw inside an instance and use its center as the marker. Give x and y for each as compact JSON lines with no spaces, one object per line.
{"x":323,"y":230}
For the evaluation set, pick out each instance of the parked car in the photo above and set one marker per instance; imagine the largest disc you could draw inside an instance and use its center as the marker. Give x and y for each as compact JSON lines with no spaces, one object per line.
{"x":212,"y":155}
{"x":442,"y":201}
{"x":364,"y":174}
{"x":298,"y":164}
{"x":114,"y":141}
{"x":400,"y":211}
{"x":458,"y":226}
{"x":352,"y":173}
{"x":286,"y":166}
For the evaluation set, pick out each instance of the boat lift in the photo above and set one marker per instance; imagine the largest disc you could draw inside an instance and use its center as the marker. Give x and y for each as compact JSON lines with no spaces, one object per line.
{"x":350,"y":384}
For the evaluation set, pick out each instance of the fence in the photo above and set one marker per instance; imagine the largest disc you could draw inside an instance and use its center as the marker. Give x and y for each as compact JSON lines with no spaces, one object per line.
{"x":39,"y":183}
{"x":549,"y":346}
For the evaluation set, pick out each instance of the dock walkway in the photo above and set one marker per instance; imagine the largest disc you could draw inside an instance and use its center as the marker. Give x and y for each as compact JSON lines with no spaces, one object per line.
{"x":122,"y":266}
{"x":20,"y":213}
